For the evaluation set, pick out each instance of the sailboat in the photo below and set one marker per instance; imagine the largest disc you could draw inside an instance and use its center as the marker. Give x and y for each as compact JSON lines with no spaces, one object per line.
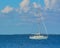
{"x":39,"y":36}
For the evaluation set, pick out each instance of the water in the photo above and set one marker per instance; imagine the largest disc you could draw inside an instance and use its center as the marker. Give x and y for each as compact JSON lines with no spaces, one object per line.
{"x":23,"y":41}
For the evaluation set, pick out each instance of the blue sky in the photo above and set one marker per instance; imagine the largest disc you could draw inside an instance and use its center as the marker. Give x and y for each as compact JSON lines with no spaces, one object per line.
{"x":21,"y":16}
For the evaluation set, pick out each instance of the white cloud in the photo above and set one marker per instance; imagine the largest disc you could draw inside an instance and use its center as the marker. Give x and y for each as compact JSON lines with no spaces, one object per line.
{"x":49,"y":3}
{"x":52,"y":4}
{"x":7,"y":9}
{"x":46,"y":3}
{"x":35,"y":5}
{"x":24,"y":5}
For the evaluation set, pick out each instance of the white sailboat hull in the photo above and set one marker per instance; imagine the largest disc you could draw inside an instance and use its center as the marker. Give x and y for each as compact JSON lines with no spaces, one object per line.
{"x":38,"y":37}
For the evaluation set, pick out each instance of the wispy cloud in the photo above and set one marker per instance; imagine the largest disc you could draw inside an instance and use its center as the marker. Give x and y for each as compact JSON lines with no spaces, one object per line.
{"x":35,"y":5}
{"x":24,"y":5}
{"x":33,"y":11}
{"x":7,"y":9}
{"x":52,"y":4}
{"x":47,"y":4}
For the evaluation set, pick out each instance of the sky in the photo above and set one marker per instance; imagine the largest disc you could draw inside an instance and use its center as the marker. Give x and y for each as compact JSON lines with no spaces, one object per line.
{"x":23,"y":16}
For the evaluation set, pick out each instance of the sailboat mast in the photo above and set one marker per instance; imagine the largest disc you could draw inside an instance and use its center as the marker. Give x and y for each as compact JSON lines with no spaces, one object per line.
{"x":38,"y":26}
{"x":39,"y":21}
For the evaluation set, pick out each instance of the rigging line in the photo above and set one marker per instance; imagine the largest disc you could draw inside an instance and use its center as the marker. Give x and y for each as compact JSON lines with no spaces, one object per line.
{"x":44,"y":25}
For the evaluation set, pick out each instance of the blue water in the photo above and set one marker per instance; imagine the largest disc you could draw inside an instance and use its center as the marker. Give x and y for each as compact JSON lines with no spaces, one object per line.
{"x":23,"y":41}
